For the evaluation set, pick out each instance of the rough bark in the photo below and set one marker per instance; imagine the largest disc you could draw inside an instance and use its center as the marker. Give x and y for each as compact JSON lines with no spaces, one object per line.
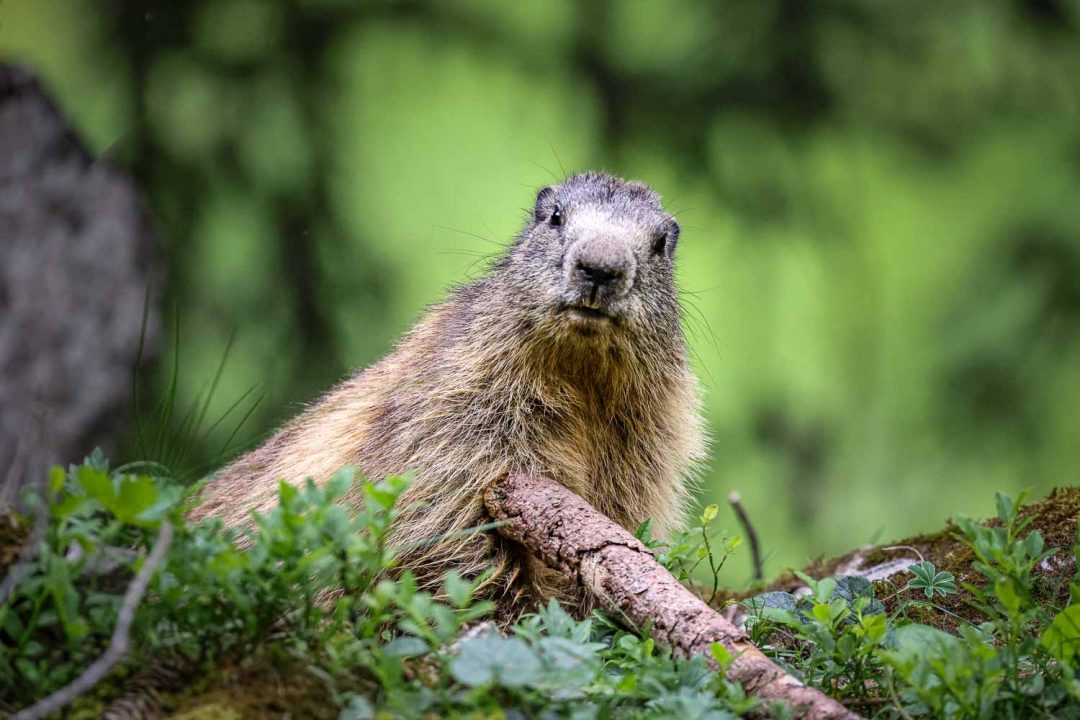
{"x":76,"y":252}
{"x":569,"y":535}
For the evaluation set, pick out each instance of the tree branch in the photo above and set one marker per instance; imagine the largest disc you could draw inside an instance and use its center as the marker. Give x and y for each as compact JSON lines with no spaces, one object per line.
{"x":118,"y":644}
{"x":569,"y":535}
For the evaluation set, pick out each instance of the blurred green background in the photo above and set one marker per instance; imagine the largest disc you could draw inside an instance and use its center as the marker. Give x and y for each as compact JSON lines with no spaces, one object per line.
{"x":880,"y":203}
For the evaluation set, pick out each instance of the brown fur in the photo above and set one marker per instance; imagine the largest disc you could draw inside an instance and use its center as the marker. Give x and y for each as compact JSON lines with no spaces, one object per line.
{"x":497,"y":377}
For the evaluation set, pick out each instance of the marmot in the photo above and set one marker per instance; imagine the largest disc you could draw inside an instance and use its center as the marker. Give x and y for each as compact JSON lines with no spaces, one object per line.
{"x":566,"y":359}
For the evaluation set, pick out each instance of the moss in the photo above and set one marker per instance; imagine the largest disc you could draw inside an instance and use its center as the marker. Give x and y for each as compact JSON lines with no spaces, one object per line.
{"x":210,"y":711}
{"x":13,"y":532}
{"x":258,"y":687}
{"x":1055,"y":517}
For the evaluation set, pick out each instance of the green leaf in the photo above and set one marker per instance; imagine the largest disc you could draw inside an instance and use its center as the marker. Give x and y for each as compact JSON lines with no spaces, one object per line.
{"x":97,"y":460}
{"x":1005,"y":591}
{"x":873,"y":627}
{"x":56,"y":480}
{"x":379,"y":495}
{"x":97,"y":485}
{"x":493,"y":659}
{"x":1062,"y":638}
{"x":709,"y":514}
{"x":822,"y":612}
{"x":825,"y":589}
{"x":357,"y":708}
{"x":822,"y":590}
{"x":914,"y":644}
{"x":71,"y":505}
{"x":720,"y":654}
{"x":1004,"y":507}
{"x":558,"y":622}
{"x":457,"y":590}
{"x":65,"y":597}
{"x":853,"y":587}
{"x":167,"y":499}
{"x":644,"y":531}
{"x":134,"y":495}
{"x":405,"y":646}
{"x":125,"y":496}
{"x":1034,"y":543}
{"x":286,"y":493}
{"x":341,"y":483}
{"x":930,"y":581}
{"x":775,"y":599}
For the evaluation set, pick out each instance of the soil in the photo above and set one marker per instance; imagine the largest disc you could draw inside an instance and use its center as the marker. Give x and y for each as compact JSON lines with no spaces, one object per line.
{"x":1055,"y":517}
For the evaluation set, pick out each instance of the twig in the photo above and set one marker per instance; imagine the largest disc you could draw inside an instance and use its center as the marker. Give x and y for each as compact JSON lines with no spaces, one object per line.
{"x":896,"y":698}
{"x":866,"y":701}
{"x":118,"y":644}
{"x":751,"y":535}
{"x":906,"y":547}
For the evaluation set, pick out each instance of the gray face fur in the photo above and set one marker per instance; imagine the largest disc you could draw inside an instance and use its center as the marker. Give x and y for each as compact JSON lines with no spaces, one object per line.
{"x":597,"y":259}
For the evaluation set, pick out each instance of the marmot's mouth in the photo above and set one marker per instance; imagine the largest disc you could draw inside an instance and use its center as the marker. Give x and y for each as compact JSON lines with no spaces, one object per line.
{"x":585,"y":313}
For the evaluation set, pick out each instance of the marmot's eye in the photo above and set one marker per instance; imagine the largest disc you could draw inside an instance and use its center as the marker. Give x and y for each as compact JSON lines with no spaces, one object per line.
{"x":557,"y":215}
{"x":659,"y":243}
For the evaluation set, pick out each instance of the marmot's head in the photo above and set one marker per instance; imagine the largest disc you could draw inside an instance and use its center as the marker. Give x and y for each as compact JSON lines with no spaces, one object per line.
{"x":596,"y":262}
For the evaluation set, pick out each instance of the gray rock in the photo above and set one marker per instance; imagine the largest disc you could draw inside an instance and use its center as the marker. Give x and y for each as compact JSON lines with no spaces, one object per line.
{"x":77,"y":252}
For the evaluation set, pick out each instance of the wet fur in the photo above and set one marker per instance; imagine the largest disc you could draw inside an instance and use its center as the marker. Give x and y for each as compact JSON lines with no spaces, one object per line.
{"x":495,"y":378}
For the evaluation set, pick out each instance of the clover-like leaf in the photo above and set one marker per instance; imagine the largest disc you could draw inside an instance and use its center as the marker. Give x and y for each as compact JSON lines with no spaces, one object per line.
{"x":930,"y":581}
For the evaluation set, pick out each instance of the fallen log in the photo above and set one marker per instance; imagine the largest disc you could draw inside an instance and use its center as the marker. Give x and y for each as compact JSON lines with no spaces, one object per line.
{"x":572,"y":537}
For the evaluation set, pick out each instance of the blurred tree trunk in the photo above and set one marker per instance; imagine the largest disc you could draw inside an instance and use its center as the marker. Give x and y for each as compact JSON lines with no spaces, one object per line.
{"x":77,"y":254}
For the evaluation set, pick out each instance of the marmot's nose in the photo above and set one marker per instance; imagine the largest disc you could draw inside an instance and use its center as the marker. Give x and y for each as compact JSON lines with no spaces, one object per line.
{"x":601,"y":269}
{"x":599,"y":275}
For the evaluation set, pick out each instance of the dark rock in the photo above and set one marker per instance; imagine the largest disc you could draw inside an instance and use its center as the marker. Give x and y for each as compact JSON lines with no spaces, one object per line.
{"x":77,"y":254}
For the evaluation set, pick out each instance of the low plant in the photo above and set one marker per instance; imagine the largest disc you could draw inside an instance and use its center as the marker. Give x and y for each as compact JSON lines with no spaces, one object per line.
{"x":1021,"y":662}
{"x":697,"y":555}
{"x":313,"y":586}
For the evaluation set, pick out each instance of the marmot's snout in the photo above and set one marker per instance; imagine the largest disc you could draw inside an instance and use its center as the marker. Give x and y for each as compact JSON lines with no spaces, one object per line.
{"x":600,"y":271}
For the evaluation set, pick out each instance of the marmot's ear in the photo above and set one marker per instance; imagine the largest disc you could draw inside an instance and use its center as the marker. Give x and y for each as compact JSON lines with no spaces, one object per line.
{"x":665,"y":240}
{"x":673,"y":237}
{"x":545,"y":203}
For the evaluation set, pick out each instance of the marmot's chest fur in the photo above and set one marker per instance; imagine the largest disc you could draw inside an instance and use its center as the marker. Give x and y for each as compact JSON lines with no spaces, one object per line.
{"x":567,"y":360}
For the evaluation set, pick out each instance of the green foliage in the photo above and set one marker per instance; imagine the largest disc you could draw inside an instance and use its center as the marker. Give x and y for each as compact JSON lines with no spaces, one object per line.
{"x":1062,"y":638}
{"x":61,"y":613}
{"x":221,"y":593}
{"x":309,"y":583}
{"x":1022,"y":662}
{"x":1017,"y":663}
{"x":830,"y":638}
{"x":696,"y":555}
